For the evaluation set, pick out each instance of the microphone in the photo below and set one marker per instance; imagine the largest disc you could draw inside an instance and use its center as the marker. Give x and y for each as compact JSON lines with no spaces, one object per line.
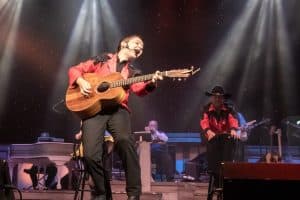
{"x":277,"y":131}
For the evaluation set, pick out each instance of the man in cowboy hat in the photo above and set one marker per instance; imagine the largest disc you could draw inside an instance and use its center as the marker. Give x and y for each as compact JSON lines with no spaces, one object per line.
{"x":219,"y":127}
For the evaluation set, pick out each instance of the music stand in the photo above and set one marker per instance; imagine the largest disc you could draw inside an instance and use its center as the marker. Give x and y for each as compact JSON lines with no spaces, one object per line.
{"x":144,"y":139}
{"x":142,"y":136}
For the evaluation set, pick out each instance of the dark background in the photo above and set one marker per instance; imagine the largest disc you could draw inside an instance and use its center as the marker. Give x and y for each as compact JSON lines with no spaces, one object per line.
{"x":263,"y":78}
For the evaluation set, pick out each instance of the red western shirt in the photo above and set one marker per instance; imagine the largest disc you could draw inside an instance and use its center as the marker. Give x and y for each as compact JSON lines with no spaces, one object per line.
{"x":219,"y":122}
{"x":104,"y":69}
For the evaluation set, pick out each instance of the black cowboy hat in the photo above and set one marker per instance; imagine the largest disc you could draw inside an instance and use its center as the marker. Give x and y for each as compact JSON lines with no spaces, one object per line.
{"x":218,"y":91}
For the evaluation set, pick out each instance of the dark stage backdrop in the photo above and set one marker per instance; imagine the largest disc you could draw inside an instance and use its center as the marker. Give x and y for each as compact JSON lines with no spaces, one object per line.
{"x":263,"y":78}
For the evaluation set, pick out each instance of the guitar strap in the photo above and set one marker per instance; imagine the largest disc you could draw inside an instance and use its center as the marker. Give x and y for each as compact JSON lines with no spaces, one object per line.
{"x":120,"y":66}
{"x":105,"y":57}
{"x":134,"y":71}
{"x":100,"y":58}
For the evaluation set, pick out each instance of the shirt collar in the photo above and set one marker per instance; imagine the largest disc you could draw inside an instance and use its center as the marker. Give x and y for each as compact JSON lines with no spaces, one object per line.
{"x":213,"y":108}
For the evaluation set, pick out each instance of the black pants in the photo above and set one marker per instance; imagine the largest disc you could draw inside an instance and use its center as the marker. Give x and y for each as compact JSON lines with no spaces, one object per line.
{"x":117,"y":122}
{"x":160,"y":156}
{"x":107,"y":160}
{"x":239,"y":154}
{"x":220,"y":148}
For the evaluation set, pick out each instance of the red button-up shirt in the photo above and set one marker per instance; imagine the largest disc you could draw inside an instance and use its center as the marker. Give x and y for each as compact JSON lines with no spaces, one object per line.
{"x":219,"y":122}
{"x":104,"y":69}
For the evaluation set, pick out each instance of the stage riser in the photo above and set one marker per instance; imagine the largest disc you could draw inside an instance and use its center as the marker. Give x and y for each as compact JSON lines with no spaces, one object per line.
{"x":260,"y":189}
{"x":260,"y":181}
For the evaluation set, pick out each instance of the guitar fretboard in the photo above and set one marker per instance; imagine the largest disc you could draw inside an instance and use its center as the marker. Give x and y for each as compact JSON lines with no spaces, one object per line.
{"x":129,"y":81}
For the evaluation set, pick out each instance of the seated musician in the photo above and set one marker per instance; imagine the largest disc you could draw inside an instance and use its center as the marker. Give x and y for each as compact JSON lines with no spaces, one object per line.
{"x":50,"y":171}
{"x":159,"y":151}
{"x":219,"y":127}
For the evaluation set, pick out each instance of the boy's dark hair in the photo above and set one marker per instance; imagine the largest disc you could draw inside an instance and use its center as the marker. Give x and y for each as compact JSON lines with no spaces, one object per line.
{"x":126,"y":39}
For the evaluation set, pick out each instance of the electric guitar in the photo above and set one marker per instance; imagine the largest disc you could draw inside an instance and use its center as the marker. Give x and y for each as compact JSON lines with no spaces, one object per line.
{"x":108,"y":90}
{"x":245,"y":129}
{"x":264,"y":121}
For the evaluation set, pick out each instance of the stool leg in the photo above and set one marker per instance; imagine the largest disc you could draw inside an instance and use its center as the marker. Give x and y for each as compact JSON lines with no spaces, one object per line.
{"x":83,"y":184}
{"x":80,"y":181}
{"x":77,"y":187}
{"x":210,"y":187}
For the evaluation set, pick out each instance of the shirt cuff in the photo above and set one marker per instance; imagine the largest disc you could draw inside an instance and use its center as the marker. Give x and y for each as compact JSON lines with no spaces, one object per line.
{"x":205,"y":130}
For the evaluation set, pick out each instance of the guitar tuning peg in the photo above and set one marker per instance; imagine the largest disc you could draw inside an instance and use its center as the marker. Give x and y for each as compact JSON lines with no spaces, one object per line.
{"x":179,"y":79}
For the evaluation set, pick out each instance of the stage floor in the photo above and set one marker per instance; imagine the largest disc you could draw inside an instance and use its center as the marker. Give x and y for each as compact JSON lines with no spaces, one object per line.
{"x":159,"y":191}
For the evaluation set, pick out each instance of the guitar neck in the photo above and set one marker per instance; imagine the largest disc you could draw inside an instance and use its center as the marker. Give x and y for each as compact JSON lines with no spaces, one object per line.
{"x":137,"y":79}
{"x":129,"y":81}
{"x":258,"y":124}
{"x":279,"y":143}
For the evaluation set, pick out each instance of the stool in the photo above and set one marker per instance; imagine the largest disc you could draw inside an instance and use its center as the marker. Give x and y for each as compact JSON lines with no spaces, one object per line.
{"x":82,"y":177}
{"x":214,"y":190}
{"x":81,"y":167}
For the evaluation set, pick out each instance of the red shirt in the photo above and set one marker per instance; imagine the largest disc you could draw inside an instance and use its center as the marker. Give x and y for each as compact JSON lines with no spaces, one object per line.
{"x":219,"y":122}
{"x":104,"y":69}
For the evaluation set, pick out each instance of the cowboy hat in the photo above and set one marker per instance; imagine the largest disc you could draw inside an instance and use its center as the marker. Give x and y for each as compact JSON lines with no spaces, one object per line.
{"x":218,"y":91}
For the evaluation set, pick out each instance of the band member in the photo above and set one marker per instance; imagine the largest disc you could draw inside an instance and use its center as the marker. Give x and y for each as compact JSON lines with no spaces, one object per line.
{"x":219,"y":128}
{"x":50,"y":172}
{"x":159,"y":151}
{"x":115,"y":119}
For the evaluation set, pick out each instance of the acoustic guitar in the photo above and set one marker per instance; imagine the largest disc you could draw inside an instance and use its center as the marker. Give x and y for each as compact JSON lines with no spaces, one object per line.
{"x":109,"y":90}
{"x":271,"y":156}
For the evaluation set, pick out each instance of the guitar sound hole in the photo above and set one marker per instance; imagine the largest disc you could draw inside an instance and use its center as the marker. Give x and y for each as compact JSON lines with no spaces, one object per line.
{"x":103,"y":87}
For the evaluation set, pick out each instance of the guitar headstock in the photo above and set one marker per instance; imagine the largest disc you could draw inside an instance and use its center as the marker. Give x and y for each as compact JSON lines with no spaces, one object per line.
{"x":181,"y":73}
{"x":278,"y":132}
{"x":266,"y":120}
{"x":255,"y":124}
{"x":251,"y":123}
